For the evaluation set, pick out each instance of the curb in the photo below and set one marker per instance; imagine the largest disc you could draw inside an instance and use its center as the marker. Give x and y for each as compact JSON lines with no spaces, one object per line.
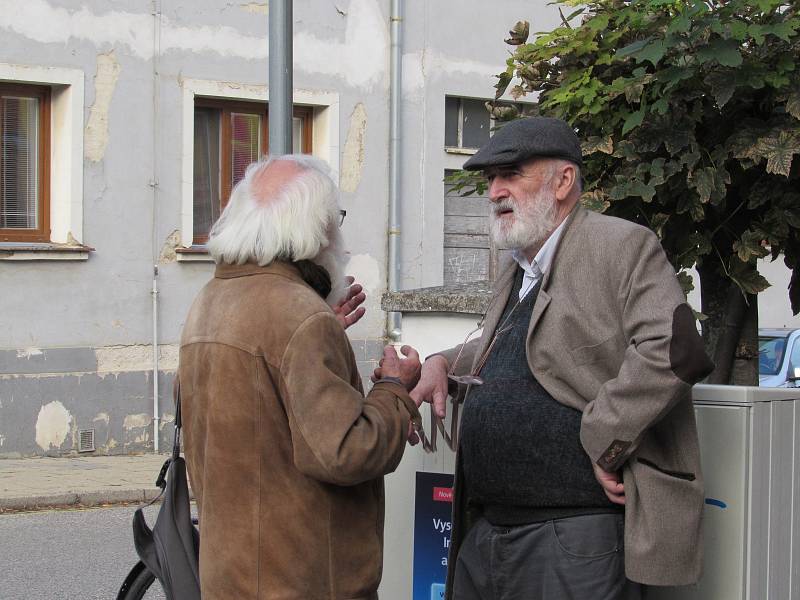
{"x":82,"y":499}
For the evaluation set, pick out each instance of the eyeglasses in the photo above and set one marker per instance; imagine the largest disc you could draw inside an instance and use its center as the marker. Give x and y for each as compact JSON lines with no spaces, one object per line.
{"x":342,"y":215}
{"x":473,"y":378}
{"x":436,"y":423}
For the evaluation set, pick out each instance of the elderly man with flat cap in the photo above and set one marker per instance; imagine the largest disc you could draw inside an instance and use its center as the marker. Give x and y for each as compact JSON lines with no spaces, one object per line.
{"x":578,"y":469}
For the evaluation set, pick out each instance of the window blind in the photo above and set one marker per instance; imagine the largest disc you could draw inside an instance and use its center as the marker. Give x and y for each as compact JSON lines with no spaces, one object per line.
{"x":19,"y":157}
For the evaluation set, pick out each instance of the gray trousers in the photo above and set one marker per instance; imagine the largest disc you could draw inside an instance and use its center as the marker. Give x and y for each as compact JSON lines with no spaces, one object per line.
{"x":575,"y":558}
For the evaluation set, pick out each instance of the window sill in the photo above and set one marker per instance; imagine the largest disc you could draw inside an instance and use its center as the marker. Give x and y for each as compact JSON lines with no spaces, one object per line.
{"x":25,"y":251}
{"x":193,"y":254}
{"x":457,"y":150}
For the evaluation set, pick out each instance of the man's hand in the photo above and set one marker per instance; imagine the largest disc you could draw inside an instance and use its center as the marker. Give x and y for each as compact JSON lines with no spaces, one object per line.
{"x":612,"y":484}
{"x":349,"y":310}
{"x":407,"y":370}
{"x":432,"y":386}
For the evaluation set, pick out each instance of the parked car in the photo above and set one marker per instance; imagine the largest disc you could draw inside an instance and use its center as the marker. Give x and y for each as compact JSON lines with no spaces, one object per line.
{"x":779,"y":357}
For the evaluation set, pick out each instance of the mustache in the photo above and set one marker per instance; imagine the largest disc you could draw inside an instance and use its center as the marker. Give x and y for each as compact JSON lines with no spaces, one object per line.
{"x":505,"y":204}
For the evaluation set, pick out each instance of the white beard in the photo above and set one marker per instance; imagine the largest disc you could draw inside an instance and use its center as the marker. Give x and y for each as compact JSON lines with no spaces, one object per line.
{"x":530,"y":224}
{"x":332,"y":258}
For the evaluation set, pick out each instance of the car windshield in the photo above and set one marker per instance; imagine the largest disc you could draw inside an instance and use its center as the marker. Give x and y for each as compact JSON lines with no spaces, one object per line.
{"x":770,"y":354}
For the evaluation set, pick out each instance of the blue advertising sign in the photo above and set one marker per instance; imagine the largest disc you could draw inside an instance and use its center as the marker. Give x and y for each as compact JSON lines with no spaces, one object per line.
{"x":432,"y":508}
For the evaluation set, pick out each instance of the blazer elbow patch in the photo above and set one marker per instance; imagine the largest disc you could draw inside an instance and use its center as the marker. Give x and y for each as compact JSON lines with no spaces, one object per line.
{"x":687,"y":357}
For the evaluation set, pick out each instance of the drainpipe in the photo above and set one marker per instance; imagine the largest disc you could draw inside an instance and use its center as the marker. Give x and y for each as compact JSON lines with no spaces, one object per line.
{"x":396,"y":57}
{"x":280,"y":77}
{"x":154,"y":230}
{"x":156,"y":417}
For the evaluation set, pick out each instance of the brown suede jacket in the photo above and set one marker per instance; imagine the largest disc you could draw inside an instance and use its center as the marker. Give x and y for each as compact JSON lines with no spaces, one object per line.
{"x":285,"y":454}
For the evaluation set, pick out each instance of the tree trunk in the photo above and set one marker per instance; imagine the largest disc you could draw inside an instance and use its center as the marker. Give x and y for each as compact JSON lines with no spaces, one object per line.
{"x":730,"y":332}
{"x":745,"y":363}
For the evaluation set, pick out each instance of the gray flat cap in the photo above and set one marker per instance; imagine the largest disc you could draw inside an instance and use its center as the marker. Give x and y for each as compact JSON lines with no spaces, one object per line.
{"x":522,"y":139}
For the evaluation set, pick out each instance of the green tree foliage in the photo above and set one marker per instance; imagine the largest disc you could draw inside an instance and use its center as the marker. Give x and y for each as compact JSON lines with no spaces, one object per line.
{"x":690,"y":115}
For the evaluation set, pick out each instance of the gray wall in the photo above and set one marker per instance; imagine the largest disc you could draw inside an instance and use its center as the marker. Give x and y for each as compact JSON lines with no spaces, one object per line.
{"x":77,"y":335}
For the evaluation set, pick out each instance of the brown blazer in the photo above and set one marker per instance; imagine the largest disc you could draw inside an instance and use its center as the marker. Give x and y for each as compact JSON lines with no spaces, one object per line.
{"x":611,"y":335}
{"x":284,"y":452}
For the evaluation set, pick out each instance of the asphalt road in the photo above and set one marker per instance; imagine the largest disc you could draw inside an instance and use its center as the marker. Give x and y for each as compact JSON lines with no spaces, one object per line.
{"x":68,"y":554}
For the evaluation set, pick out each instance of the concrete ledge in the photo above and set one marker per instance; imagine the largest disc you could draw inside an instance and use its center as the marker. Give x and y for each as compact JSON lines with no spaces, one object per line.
{"x":469,"y":298}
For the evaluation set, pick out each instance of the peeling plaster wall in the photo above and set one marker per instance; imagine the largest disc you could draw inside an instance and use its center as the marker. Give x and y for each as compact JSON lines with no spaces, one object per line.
{"x":80,"y":333}
{"x":105,"y":80}
{"x":353,"y":155}
{"x":84,"y":329}
{"x":258,"y":8}
{"x":445,"y":55}
{"x":42,"y":414}
{"x":48,"y":396}
{"x":53,"y":424}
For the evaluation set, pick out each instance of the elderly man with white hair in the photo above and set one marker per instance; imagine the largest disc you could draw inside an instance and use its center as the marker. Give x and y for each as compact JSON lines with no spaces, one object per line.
{"x":285,"y":453}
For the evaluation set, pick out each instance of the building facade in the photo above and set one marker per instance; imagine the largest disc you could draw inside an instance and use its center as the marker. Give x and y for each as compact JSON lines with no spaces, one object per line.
{"x":124,"y":126}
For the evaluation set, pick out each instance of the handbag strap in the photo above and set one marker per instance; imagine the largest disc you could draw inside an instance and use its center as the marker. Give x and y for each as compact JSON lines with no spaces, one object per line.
{"x":176,"y":442}
{"x":161,"y":480}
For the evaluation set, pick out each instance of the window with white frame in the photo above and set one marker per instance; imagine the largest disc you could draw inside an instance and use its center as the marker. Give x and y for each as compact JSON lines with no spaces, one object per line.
{"x":228,"y":136}
{"x":215,"y":143}
{"x":41,"y":163}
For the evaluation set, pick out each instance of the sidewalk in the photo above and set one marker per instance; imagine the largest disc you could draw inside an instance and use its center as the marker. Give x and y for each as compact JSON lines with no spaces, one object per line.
{"x":31,"y":483}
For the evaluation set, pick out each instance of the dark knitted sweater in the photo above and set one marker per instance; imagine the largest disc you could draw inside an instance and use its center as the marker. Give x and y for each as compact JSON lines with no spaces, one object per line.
{"x":520,"y":448}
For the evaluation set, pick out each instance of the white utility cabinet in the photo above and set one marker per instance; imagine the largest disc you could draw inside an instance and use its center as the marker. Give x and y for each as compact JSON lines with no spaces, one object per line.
{"x":750,"y":447}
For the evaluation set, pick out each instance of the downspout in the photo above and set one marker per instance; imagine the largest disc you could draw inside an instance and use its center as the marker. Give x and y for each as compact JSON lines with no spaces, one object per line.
{"x":280,"y":77}
{"x":156,"y":417}
{"x":393,"y":266}
{"x":154,"y":230}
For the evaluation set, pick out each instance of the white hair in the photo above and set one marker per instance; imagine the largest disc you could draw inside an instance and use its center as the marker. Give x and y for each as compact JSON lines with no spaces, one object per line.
{"x":558,"y":163}
{"x":535,"y":218}
{"x":295,"y":224}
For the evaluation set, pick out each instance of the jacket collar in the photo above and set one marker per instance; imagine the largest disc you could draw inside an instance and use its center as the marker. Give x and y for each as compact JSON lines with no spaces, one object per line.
{"x":276,"y":267}
{"x":575,"y":216}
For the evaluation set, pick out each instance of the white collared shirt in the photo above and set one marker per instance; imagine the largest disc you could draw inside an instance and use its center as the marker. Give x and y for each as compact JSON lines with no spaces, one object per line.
{"x":541,"y":262}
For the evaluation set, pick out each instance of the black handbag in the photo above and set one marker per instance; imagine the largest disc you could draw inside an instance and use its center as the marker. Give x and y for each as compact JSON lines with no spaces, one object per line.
{"x":171,"y":549}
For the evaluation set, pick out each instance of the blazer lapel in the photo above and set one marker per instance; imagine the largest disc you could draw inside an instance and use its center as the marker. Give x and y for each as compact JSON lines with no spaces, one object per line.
{"x":543,"y":299}
{"x":502,"y":290}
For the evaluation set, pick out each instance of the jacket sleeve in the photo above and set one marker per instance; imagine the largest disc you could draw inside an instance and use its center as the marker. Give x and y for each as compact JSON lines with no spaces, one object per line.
{"x":338,"y":435}
{"x":664,"y":355}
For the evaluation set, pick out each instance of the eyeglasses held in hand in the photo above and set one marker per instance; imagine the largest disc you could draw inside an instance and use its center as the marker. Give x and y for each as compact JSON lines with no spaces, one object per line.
{"x":470,"y":379}
{"x":437,"y":423}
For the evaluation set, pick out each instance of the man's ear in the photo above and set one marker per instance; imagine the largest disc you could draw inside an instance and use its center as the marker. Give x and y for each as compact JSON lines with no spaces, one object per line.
{"x":565,"y":181}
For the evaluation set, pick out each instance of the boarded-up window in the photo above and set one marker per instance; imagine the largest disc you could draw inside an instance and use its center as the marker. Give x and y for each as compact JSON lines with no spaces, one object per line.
{"x":228,"y":136}
{"x":469,"y":254}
